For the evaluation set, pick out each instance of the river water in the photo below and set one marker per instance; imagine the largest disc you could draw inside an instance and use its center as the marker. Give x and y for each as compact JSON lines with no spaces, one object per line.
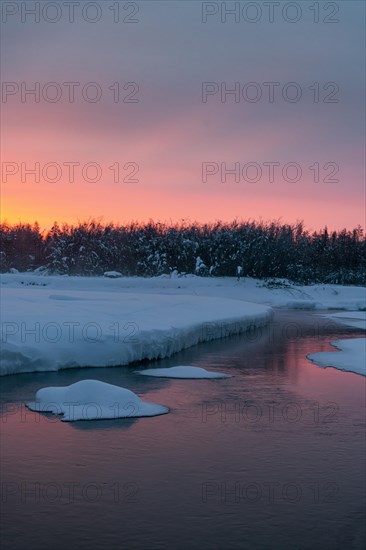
{"x":271,"y":458}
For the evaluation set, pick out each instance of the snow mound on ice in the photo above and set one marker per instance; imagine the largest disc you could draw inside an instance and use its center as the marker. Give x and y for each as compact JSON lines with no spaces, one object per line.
{"x":93,"y":400}
{"x":350,"y":358}
{"x":183,"y":371}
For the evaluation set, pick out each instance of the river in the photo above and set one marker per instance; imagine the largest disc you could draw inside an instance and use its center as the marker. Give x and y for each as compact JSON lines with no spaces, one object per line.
{"x":270,"y":458}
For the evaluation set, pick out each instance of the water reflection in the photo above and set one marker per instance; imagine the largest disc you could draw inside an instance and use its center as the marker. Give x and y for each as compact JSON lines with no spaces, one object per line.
{"x":114,"y":424}
{"x":202,"y":475}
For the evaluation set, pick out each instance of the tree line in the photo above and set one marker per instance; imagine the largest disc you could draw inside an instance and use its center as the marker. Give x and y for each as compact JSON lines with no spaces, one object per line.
{"x":248,"y":248}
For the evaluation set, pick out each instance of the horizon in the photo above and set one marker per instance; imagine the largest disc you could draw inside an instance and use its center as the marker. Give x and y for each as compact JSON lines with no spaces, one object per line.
{"x":180,"y":223}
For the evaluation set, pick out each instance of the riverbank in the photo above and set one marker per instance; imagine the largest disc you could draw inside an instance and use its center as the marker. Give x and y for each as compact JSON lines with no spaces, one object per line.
{"x":56,"y":322}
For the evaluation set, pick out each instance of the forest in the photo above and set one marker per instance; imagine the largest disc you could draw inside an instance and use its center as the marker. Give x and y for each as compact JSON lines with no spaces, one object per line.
{"x":265,"y":250}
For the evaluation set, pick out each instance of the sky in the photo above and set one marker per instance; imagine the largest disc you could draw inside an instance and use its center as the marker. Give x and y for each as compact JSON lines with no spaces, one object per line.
{"x":171,"y":110}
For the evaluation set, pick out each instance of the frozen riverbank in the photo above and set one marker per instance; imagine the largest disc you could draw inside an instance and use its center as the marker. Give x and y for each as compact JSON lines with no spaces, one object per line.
{"x":351,"y":354}
{"x":44,"y":330}
{"x":57,"y":322}
{"x":350,"y":357}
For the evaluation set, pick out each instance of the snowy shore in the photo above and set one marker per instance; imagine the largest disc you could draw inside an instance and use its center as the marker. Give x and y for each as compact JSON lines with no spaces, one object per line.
{"x":47,"y":328}
{"x":55,"y":322}
{"x":284,"y":295}
{"x":349,"y":357}
{"x":351,"y":354}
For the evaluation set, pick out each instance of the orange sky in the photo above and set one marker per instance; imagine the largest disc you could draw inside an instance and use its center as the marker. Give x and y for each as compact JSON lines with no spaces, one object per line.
{"x":167,"y":135}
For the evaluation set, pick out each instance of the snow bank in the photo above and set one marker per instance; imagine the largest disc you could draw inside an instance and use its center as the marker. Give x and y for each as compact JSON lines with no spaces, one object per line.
{"x":44,"y":330}
{"x":183,"y":372}
{"x":247,"y":289}
{"x":93,"y":400}
{"x":355,"y":319}
{"x":56,"y":322}
{"x":350,"y":358}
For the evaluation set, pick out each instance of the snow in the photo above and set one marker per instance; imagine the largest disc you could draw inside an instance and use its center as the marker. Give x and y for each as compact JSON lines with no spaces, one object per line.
{"x":113,"y":274}
{"x":200,"y":265}
{"x":183,"y":371}
{"x":356,"y":319}
{"x":351,"y":356}
{"x":42,"y":270}
{"x":52,"y":322}
{"x":44,"y":330}
{"x":317,"y":297}
{"x":93,"y":400}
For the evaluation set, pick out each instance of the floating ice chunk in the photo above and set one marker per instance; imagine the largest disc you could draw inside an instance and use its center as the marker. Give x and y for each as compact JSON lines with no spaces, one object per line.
{"x":93,"y":400}
{"x":183,"y":371}
{"x":350,"y":358}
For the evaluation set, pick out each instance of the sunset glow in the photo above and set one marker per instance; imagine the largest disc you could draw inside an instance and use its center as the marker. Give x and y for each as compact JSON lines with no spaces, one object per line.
{"x":160,"y":98}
